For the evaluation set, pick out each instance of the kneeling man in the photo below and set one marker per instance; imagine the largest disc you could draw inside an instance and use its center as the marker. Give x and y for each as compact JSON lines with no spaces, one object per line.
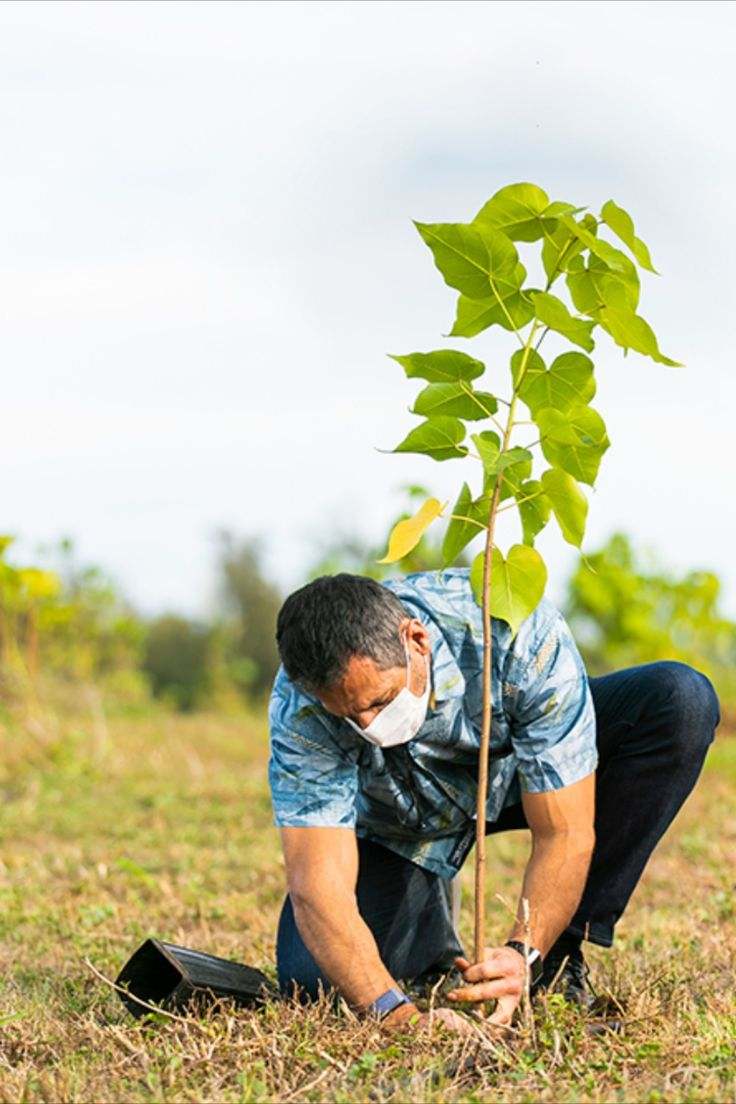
{"x":375,"y":719}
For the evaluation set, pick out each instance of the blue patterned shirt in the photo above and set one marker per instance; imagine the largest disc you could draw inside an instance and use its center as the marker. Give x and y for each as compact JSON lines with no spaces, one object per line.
{"x":418,"y":798}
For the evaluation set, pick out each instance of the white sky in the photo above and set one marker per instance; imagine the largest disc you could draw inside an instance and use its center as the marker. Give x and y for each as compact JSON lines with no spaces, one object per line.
{"x":207,"y":251}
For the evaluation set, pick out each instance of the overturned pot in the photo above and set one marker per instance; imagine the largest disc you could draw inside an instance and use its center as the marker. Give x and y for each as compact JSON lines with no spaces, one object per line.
{"x":176,"y":977}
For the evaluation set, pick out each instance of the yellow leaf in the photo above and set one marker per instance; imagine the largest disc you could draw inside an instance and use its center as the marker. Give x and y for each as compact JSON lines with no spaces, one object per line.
{"x":406,"y":534}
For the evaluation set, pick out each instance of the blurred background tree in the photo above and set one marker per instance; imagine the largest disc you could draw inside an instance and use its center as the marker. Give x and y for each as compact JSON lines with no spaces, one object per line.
{"x":66,"y":625}
{"x":250,"y":603}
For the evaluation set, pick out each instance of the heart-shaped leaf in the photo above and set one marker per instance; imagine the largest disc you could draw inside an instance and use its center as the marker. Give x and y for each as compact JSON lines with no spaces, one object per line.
{"x":569,"y":381}
{"x":517,"y":583}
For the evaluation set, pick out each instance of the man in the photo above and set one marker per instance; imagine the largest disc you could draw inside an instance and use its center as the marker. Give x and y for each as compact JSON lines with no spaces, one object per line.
{"x":375,"y":720}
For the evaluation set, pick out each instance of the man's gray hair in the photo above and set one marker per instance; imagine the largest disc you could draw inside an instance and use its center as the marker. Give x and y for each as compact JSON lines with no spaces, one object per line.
{"x":323,"y":624}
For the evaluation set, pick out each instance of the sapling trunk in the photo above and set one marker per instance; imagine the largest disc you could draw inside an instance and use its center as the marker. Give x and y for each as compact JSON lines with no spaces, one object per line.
{"x":487,"y":717}
{"x":485,"y":736}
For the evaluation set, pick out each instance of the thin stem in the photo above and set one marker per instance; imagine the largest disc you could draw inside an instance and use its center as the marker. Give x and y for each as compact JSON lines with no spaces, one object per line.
{"x":473,"y":521}
{"x":519,"y":501}
{"x":485,"y":736}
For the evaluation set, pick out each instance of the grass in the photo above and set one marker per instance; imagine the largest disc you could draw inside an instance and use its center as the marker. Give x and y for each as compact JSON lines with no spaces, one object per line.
{"x":117,"y":828}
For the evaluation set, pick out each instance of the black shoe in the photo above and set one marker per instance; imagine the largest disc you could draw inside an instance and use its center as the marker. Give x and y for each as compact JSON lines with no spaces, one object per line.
{"x":566,"y":972}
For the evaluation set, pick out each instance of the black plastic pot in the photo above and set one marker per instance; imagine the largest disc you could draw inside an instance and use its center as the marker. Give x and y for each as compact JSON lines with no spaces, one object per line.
{"x":176,"y":977}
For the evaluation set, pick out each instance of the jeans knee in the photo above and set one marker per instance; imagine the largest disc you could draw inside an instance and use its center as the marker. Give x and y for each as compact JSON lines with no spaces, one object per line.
{"x":690,"y":701}
{"x":298,"y":973}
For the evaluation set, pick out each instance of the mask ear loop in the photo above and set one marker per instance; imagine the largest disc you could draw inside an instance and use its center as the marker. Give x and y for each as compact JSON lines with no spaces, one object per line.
{"x":408,"y":662}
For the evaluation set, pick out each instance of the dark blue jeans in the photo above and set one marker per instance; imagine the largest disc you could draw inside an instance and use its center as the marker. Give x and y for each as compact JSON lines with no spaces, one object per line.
{"x":654,"y":725}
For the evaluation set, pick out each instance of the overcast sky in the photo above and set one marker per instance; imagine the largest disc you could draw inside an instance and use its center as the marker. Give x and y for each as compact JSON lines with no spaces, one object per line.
{"x":207,"y":252}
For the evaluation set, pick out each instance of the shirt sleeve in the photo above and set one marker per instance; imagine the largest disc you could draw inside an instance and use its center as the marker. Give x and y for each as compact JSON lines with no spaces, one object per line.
{"x":553,"y":720}
{"x":313,"y":781}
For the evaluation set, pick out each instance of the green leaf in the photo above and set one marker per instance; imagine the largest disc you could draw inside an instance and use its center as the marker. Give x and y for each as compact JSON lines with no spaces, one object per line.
{"x":569,"y":382}
{"x":441,"y":366}
{"x":553,"y":313}
{"x":560,"y":247}
{"x":574,"y":440}
{"x":408,"y":532}
{"x":630,"y":331}
{"x":595,"y":284}
{"x":437,"y":437}
{"x":459,"y":533}
{"x":526,"y":360}
{"x":568,"y":502}
{"x":488,"y":445}
{"x":513,"y":457}
{"x":535,"y":512}
{"x":521,"y":211}
{"x":472,"y":259}
{"x":613,"y":257}
{"x":512,"y":310}
{"x":517,"y":583}
{"x":495,"y":462}
{"x":459,"y":400}
{"x":622,"y":224}
{"x":514,"y":474}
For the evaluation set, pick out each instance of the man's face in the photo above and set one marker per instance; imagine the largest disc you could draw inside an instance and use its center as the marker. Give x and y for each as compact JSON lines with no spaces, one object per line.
{"x":365,"y":689}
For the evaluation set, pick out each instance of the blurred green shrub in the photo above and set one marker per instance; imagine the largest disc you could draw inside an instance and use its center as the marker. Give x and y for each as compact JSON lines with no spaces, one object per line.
{"x":178,"y":660}
{"x":625,"y":608}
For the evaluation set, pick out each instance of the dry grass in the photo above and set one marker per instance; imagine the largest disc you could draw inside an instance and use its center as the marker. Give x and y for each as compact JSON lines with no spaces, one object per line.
{"x":115,"y":830}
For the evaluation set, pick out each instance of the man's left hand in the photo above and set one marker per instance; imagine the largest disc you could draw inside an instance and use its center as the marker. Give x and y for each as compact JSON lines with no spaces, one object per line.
{"x":501,"y":976}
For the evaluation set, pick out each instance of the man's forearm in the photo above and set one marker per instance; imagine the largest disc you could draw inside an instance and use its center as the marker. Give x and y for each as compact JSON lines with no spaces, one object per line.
{"x":343,"y":946}
{"x":553,"y":885}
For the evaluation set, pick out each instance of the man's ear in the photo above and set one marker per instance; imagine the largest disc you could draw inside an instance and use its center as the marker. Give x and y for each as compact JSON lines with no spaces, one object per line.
{"x":416,"y":631}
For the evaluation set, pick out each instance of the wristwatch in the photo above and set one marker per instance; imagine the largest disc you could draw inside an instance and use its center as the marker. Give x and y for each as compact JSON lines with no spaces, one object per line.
{"x":386,"y":1003}
{"x":533,"y":960}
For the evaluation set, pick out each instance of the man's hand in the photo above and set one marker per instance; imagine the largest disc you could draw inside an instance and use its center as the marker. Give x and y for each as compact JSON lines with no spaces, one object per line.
{"x":408,"y":1017}
{"x":501,"y":976}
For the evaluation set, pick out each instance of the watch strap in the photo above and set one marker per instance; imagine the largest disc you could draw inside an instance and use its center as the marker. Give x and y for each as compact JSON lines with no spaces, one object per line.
{"x":387,"y":1002}
{"x":533,"y":959}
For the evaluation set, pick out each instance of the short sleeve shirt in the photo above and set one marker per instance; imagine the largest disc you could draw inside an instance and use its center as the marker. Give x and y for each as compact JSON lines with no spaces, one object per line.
{"x":418,"y":798}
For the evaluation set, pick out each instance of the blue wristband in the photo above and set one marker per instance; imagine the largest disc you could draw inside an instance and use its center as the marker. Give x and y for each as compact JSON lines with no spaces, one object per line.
{"x":387,"y":1002}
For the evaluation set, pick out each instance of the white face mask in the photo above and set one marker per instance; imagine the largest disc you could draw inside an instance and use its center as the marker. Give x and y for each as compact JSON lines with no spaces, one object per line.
{"x":400,"y":720}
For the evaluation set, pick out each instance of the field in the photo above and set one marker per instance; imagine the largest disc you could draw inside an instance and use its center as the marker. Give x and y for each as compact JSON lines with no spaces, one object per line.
{"x":119,"y":827}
